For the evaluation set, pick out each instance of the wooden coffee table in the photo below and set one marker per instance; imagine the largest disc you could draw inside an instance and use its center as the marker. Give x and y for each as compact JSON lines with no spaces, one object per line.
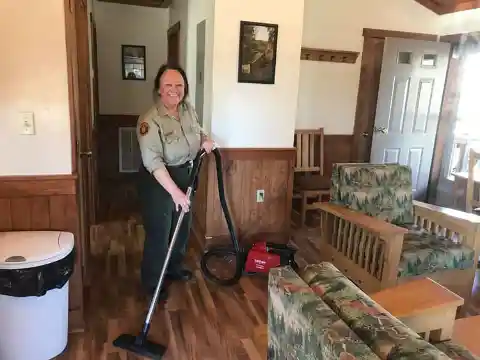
{"x":467,"y":333}
{"x":423,"y":305}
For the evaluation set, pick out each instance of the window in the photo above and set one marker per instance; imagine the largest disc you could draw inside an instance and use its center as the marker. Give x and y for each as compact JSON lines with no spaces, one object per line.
{"x":467,"y":126}
{"x":429,"y":60}
{"x":404,"y":57}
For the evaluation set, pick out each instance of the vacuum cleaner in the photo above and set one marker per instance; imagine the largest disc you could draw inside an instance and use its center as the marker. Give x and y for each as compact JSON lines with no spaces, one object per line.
{"x":260,"y":257}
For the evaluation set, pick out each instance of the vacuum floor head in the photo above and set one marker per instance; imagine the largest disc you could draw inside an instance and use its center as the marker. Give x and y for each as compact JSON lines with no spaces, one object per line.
{"x":143,"y":348}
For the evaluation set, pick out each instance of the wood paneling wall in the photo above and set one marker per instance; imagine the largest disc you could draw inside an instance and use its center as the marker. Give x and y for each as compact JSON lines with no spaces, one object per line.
{"x":245,"y":171}
{"x":46,"y":203}
{"x":117,"y":196}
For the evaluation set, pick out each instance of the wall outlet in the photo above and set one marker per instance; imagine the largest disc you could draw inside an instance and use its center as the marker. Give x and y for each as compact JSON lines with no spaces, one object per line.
{"x":27,"y":123}
{"x":260,"y":196}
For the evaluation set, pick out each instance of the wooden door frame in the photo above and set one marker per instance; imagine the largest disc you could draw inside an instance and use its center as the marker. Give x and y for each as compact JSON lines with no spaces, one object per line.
{"x":371,"y":66}
{"x":174,"y":30}
{"x":79,"y":82}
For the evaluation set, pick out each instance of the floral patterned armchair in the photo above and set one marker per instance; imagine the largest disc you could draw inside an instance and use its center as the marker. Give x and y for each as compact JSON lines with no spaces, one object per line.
{"x":378,"y":236}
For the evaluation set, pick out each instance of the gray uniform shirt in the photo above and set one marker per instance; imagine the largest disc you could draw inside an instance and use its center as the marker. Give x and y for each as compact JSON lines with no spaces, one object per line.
{"x":163,"y":140}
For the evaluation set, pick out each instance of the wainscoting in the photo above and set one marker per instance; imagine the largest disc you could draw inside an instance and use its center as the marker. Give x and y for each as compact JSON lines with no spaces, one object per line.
{"x":245,"y":171}
{"x":46,"y":203}
{"x":117,"y":196}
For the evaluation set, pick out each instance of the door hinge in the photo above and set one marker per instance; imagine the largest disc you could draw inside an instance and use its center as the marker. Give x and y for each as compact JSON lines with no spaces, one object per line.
{"x":71,"y":4}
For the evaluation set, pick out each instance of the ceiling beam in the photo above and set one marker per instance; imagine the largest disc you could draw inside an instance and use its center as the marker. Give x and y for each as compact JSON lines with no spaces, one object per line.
{"x":148,"y":3}
{"x":442,"y":7}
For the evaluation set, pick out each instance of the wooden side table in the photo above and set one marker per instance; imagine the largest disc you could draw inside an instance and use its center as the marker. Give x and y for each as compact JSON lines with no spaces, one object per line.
{"x":423,"y":305}
{"x":467,"y":333}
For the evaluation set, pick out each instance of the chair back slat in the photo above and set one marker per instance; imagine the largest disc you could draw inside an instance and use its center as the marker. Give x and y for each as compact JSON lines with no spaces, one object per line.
{"x":309,"y":156}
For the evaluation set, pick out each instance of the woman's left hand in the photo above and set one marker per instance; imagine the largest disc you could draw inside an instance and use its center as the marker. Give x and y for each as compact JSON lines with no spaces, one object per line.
{"x":208,"y":146}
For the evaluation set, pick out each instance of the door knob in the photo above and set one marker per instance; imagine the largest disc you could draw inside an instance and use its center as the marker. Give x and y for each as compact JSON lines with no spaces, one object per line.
{"x":380,"y":130}
{"x":86,"y":153}
{"x":365,"y":134}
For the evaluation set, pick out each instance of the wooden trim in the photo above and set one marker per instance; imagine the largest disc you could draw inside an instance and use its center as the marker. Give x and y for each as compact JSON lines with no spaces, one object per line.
{"x":163,"y":4}
{"x":72,"y":74}
{"x":382,"y":34}
{"x":26,"y":186}
{"x":174,"y":28}
{"x":337,"y":56}
{"x":258,"y":153}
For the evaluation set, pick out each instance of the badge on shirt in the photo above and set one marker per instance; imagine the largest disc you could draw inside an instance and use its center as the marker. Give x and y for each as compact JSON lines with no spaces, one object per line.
{"x":144,"y":128}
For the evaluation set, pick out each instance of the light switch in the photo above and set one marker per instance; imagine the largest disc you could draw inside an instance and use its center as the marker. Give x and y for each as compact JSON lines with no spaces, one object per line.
{"x":27,"y":123}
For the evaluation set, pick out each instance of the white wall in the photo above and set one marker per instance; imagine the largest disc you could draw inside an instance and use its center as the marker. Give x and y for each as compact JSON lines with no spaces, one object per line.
{"x":179,"y":13}
{"x":119,"y":25}
{"x":197,"y":12}
{"x":255,"y":115}
{"x":328,"y":91}
{"x":33,"y":78}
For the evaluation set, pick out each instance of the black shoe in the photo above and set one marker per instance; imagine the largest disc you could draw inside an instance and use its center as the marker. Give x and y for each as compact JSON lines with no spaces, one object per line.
{"x":180,"y":275}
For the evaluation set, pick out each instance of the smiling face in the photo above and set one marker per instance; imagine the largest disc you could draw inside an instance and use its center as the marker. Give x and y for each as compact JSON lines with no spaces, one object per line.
{"x":172,"y":88}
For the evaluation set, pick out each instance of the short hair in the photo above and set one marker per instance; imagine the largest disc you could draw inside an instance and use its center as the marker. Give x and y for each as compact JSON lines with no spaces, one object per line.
{"x":162,"y":70}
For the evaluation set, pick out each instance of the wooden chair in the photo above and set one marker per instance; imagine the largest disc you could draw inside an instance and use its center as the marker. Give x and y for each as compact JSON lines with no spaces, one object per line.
{"x":472,"y":194}
{"x":310,"y":182}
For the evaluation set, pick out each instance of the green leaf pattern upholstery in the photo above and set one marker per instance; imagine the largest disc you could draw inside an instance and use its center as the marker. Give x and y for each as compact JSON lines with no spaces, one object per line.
{"x":302,"y":327}
{"x":320,"y":314}
{"x":384,"y":191}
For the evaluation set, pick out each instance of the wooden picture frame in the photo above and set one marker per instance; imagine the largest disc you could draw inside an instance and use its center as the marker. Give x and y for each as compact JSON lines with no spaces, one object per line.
{"x":257,"y":58}
{"x":134,"y":62}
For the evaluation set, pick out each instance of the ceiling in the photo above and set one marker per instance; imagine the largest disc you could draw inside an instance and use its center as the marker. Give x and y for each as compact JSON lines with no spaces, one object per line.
{"x":149,"y":3}
{"x":438,"y":6}
{"x":442,"y":7}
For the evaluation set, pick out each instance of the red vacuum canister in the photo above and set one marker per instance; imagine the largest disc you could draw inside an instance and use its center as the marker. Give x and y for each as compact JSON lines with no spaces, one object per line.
{"x":264,"y":256}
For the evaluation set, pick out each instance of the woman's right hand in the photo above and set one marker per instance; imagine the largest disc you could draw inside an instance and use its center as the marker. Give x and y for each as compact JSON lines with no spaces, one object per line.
{"x":181,"y":201}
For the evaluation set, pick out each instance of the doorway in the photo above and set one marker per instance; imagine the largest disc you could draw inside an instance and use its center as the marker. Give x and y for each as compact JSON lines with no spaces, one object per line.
{"x":173,"y":35}
{"x":399,"y":104}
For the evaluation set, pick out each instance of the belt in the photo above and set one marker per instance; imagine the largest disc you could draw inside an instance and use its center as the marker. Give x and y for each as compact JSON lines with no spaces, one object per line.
{"x":188,"y":164}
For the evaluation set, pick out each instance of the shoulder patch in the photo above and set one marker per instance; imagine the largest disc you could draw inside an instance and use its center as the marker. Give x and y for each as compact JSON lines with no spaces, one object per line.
{"x":144,"y":127}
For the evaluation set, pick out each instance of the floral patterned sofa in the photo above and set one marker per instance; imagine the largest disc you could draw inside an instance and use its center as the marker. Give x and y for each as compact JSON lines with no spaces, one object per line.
{"x":376,"y":234}
{"x":320,"y":314}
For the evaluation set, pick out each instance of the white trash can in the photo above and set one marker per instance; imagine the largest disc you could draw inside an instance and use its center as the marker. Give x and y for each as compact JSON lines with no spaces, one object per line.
{"x":35,"y":267}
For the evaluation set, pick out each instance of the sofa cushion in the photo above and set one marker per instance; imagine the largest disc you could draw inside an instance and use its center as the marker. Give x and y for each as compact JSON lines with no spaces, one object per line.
{"x":456,"y":351}
{"x":379,"y":190}
{"x":387,"y":336}
{"x":424,"y":252}
{"x":301,"y":326}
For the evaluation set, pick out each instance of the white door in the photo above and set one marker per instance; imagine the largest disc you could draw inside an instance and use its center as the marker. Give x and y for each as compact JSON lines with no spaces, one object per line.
{"x":408,"y":106}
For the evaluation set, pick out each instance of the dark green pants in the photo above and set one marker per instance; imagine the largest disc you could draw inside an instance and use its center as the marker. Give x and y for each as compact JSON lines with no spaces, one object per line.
{"x":159,"y":221}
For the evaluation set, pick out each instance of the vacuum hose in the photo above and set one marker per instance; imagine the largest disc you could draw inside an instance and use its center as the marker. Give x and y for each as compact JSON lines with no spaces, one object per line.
{"x":221,"y":251}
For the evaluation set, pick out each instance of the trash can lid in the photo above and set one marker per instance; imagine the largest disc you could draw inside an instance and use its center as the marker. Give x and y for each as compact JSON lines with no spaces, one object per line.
{"x":27,"y":249}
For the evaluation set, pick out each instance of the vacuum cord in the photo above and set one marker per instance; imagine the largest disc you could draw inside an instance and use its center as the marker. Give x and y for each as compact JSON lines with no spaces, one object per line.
{"x":219,"y":250}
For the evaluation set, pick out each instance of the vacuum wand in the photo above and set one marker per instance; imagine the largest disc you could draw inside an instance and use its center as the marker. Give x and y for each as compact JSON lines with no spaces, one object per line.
{"x":140,"y":345}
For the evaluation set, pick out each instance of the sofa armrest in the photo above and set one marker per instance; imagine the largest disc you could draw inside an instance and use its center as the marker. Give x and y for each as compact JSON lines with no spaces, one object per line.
{"x":362,"y":241}
{"x":454,"y":224}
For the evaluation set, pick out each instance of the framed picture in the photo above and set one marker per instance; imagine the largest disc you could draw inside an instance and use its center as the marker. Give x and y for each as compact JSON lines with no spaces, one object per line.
{"x":133,"y":62}
{"x":257,"y":52}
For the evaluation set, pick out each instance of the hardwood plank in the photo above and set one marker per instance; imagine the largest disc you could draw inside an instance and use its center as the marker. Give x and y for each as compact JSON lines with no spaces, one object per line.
{"x":40,"y":210}
{"x":5,"y":215}
{"x":199,"y":321}
{"x":21,"y":214}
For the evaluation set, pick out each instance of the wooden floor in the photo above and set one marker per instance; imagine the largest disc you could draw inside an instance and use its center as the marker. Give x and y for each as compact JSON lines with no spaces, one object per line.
{"x":199,"y":321}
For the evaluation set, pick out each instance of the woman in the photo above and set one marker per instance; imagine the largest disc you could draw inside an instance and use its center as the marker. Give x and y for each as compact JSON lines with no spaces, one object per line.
{"x":169,"y":137}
